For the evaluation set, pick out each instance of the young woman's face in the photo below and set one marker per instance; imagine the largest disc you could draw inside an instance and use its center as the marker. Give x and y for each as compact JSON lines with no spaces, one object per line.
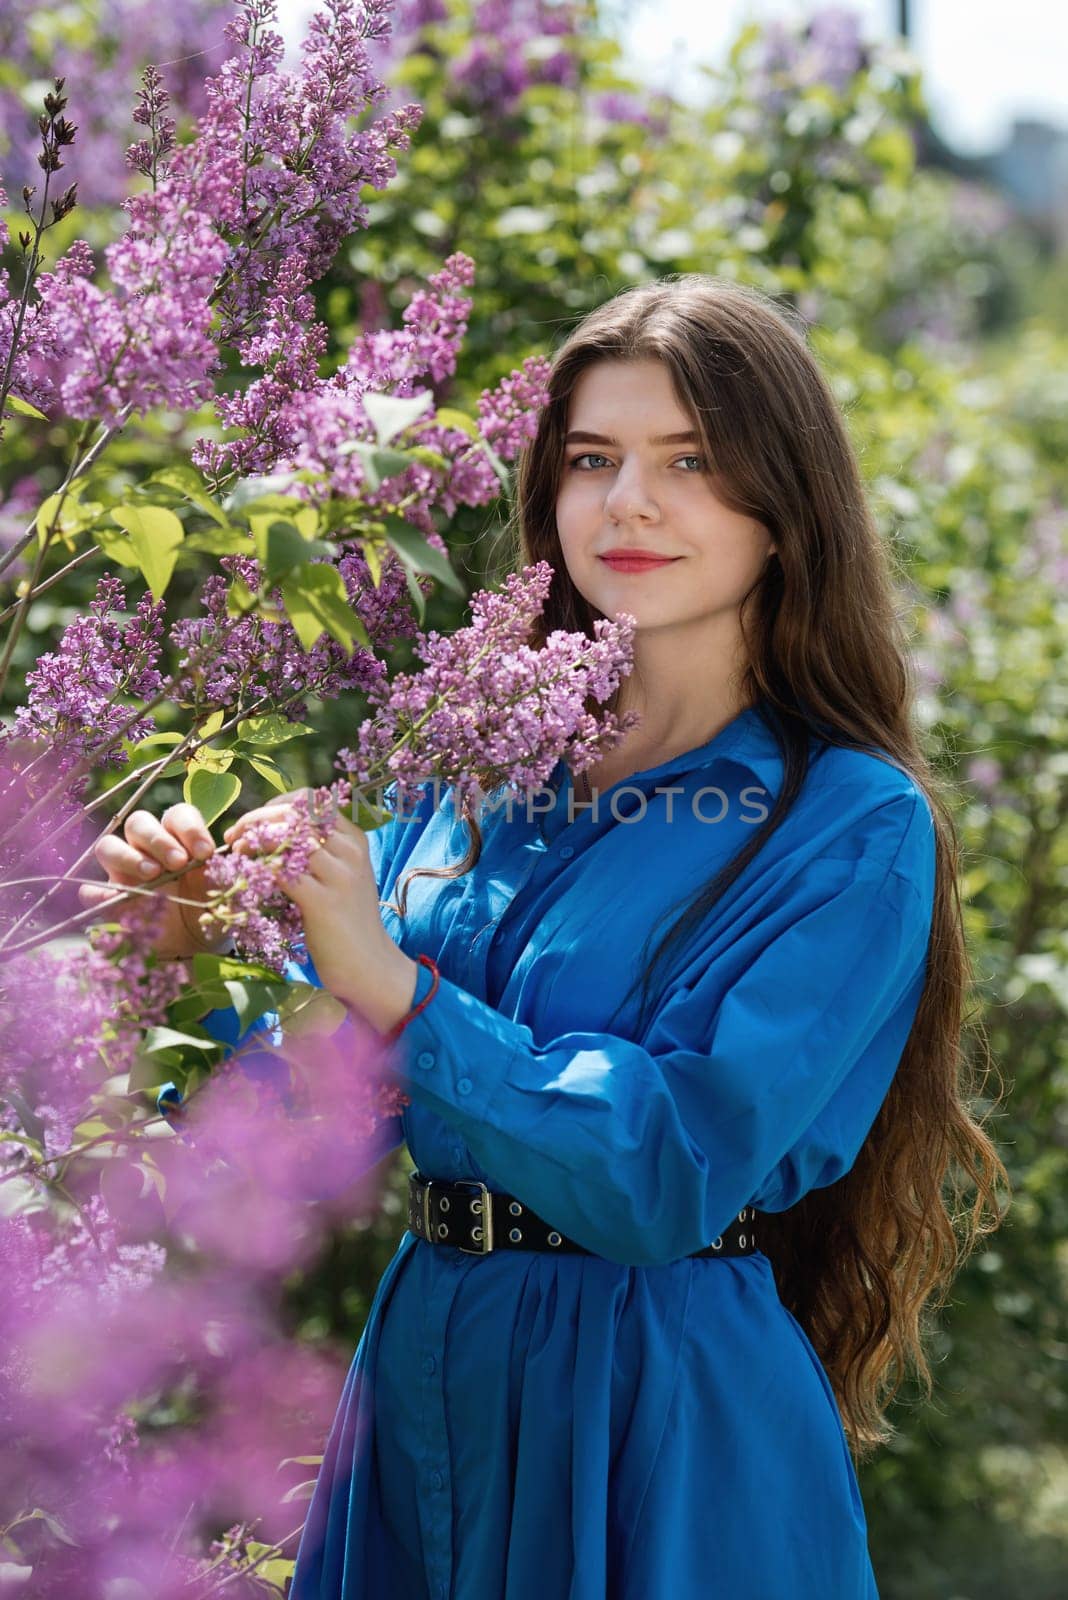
{"x":627,"y":487}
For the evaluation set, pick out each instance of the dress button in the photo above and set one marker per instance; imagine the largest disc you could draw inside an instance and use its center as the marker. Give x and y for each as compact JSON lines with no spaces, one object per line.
{"x":436,"y":1479}
{"x":425,"y":1058}
{"x":429,"y":1364}
{"x":566,"y":852}
{"x":463,"y":1086}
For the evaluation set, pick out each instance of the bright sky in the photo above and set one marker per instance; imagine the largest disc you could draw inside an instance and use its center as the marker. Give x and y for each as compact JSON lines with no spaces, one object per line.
{"x":984,"y":61}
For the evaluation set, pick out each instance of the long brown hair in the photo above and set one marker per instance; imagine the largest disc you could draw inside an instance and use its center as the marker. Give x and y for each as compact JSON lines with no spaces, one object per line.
{"x":864,"y":1262}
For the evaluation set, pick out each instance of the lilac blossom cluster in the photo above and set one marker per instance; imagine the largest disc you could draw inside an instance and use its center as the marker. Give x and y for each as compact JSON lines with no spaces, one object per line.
{"x":26,"y":351}
{"x":236,"y":225}
{"x":126,"y":35}
{"x":293,"y":419}
{"x":508,"y":46}
{"x":827,"y":48}
{"x":245,"y":896}
{"x":508,"y":414}
{"x":77,"y":694}
{"x":489,"y":702}
{"x":256,"y":660}
{"x":138,"y":1258}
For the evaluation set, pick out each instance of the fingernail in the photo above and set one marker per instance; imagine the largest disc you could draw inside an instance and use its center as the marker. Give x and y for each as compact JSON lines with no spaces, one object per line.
{"x":204,"y":848}
{"x":176,"y":857}
{"x":148,"y":868}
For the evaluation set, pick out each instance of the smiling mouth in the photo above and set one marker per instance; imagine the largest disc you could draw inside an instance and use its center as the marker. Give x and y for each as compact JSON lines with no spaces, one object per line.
{"x":637,"y":563}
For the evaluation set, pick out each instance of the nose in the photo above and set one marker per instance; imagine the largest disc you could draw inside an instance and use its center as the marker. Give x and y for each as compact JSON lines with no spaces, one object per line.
{"x":629,"y":496}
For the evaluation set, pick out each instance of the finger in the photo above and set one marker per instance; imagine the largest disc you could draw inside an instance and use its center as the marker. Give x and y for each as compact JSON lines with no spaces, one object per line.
{"x":146,"y":834}
{"x":187,"y":824}
{"x":269,"y":806}
{"x":93,"y":894}
{"x":125,"y":863}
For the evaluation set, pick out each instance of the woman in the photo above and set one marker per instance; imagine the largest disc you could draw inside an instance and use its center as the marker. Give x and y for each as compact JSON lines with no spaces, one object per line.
{"x":714,"y":1170}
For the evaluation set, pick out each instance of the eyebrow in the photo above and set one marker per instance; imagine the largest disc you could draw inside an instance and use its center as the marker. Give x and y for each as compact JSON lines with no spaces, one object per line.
{"x":661,"y":438}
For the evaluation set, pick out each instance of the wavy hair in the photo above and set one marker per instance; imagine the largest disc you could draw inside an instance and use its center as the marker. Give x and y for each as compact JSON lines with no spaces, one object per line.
{"x":864,"y":1262}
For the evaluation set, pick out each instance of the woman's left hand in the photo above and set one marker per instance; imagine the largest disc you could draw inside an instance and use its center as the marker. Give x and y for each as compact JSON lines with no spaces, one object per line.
{"x":338,"y":900}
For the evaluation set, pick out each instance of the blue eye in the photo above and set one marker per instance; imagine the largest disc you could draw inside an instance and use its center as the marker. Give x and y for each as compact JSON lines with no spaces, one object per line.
{"x":594,"y":456}
{"x":589,"y":457}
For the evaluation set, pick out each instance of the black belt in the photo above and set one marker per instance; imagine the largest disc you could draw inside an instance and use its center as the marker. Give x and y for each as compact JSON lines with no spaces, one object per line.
{"x":477,"y":1220}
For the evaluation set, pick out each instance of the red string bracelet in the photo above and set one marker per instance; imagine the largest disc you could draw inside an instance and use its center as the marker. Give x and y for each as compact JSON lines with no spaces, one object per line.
{"x":399,"y":1027}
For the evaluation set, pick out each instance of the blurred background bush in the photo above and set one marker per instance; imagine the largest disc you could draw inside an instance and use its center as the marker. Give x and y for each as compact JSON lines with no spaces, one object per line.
{"x":803,"y":159}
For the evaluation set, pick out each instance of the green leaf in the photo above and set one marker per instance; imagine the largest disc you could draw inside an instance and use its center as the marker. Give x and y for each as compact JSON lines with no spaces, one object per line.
{"x":413,"y":550}
{"x":267,"y":769}
{"x":207,"y":759}
{"x":163,"y":1038}
{"x":429,"y":458}
{"x":156,"y":534}
{"x":390,"y":414}
{"x":299,"y":1491}
{"x":28,"y":1118}
{"x":19,"y":1197}
{"x":279,"y":546}
{"x":417,"y":595}
{"x":211,"y":792}
{"x":185,"y":480}
{"x":71,"y":519}
{"x":503,"y":474}
{"x":229,"y":541}
{"x":378,"y":464}
{"x":211,"y":969}
{"x":23,"y":408}
{"x":240,"y":601}
{"x":316,"y":602}
{"x":446,"y":417}
{"x":251,"y":999}
{"x":312,"y":1012}
{"x":270,"y":729}
{"x":268,"y":493}
{"x":117,"y":546}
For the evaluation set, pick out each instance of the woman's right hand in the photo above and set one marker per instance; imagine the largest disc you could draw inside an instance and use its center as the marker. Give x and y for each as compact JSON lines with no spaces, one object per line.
{"x":179,"y":838}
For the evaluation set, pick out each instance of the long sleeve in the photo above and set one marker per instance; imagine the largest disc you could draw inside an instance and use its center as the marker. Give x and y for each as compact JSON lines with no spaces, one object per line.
{"x":643,"y":1153}
{"x":223,"y":1024}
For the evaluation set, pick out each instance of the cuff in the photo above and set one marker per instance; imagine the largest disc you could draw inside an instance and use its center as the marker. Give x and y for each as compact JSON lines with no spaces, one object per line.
{"x":444,"y":1056}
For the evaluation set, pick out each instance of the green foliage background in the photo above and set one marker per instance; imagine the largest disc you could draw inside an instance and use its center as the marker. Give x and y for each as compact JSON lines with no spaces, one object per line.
{"x":944,"y":338}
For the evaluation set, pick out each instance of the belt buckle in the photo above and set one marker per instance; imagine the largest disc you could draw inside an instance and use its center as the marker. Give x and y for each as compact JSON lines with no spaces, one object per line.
{"x":486,"y":1245}
{"x":426,"y":1210}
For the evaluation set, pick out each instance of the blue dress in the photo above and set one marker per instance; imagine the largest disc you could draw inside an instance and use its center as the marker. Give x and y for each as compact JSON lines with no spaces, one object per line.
{"x":631,"y":1425}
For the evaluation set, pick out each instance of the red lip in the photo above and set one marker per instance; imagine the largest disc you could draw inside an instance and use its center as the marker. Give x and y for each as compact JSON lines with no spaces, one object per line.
{"x":635,"y":555}
{"x":635,"y":561}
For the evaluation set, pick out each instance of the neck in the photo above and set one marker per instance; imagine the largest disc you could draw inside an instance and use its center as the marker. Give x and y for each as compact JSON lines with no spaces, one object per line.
{"x":684,"y":689}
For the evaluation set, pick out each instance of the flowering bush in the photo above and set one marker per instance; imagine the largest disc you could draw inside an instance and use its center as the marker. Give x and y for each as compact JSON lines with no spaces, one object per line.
{"x":155,"y":1181}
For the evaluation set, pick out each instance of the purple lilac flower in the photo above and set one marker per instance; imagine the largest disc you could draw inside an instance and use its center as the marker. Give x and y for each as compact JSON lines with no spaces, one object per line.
{"x":148,"y":342}
{"x":143,"y":1286}
{"x":102,"y":67}
{"x":505,"y":57}
{"x":244,"y":895}
{"x":251,"y":659}
{"x":77,"y":693}
{"x":487,"y":701}
{"x":323,"y":422}
{"x":151,"y":156}
{"x":29,"y":378}
{"x":834,"y":51}
{"x":828,"y":48}
{"x":306,"y":194}
{"x":508,"y":414}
